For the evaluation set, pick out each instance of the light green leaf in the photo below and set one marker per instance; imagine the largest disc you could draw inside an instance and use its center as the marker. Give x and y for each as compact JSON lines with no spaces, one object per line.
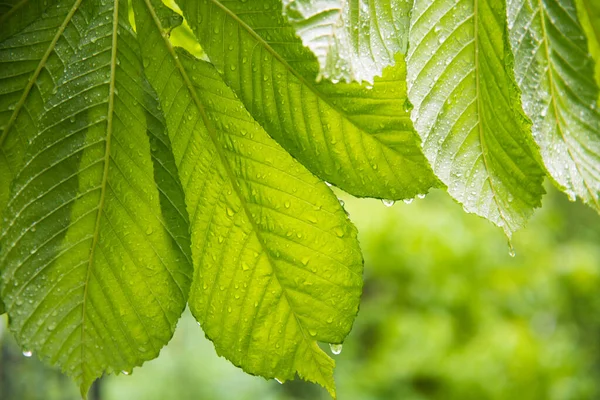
{"x":358,"y":139}
{"x":556,"y":74}
{"x":277,"y":267}
{"x":467,"y":111}
{"x":589,"y":15}
{"x":94,"y":249}
{"x":353,"y":40}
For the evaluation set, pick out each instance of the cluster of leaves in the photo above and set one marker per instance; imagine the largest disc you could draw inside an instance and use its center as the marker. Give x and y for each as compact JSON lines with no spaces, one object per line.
{"x":136,"y":178}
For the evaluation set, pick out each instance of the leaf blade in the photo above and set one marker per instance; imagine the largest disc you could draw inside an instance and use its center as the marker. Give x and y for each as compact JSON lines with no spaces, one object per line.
{"x":466,"y":110}
{"x":554,"y":70}
{"x":273,"y":74}
{"x":589,"y":16}
{"x":272,"y":246}
{"x":94,"y":270}
{"x":353,"y":41}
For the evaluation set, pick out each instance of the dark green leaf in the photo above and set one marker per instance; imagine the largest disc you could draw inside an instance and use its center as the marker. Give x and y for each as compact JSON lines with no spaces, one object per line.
{"x":94,"y":253}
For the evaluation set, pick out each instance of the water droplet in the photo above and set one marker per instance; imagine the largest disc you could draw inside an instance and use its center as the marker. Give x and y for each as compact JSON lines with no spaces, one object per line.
{"x":408,"y":201}
{"x":149,"y":230}
{"x":328,"y":184}
{"x":421,"y":196}
{"x":511,"y":250}
{"x":27,"y":353}
{"x":125,"y":372}
{"x":388,"y":203}
{"x":279,"y":381}
{"x":335,"y":348}
{"x":342,"y":202}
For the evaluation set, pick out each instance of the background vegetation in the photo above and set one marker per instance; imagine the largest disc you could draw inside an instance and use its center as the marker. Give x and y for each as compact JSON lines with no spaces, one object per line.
{"x":446,"y":314}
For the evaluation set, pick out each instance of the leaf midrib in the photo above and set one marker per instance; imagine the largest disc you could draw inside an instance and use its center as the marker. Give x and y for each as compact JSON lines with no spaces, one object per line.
{"x":109,"y":132}
{"x":230,"y":174}
{"x":299,"y":76}
{"x":553,"y":100}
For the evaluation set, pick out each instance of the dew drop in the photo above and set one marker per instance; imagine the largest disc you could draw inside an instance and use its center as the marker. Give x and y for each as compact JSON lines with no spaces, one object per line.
{"x":27,"y":353}
{"x":335,"y":348}
{"x":279,"y":381}
{"x":328,"y":184}
{"x":511,"y":250}
{"x":388,"y":203}
{"x":408,"y":201}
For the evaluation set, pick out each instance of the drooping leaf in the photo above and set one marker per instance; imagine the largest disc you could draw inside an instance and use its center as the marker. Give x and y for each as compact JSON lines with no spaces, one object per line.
{"x":277,"y":266}
{"x":467,"y":111}
{"x":94,"y":252}
{"x":589,"y":15}
{"x":30,"y":61}
{"x":357,"y":138}
{"x":556,"y":76}
{"x":353,"y":40}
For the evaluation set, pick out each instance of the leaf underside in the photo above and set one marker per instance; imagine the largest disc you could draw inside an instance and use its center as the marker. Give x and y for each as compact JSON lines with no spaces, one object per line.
{"x":277,"y":264}
{"x":466,"y":110}
{"x":361,"y":140}
{"x":94,"y":254}
{"x":353,"y":40}
{"x":556,"y":75}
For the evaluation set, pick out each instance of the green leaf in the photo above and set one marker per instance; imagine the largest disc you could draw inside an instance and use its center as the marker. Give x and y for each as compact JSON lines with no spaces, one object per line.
{"x":353,"y":40}
{"x":29,"y":63}
{"x":467,"y":111}
{"x":555,"y":72}
{"x":277,"y":267}
{"x":17,"y":14}
{"x":589,"y":15}
{"x":94,"y":253}
{"x":358,"y":139}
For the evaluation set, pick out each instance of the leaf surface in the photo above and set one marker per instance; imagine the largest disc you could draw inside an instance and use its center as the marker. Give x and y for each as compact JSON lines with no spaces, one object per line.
{"x":556,"y":75}
{"x":17,"y":14}
{"x":589,"y":15}
{"x":277,"y":267}
{"x":353,"y":40}
{"x":94,"y":253}
{"x":358,"y":139}
{"x":30,"y":62}
{"x":467,"y":111}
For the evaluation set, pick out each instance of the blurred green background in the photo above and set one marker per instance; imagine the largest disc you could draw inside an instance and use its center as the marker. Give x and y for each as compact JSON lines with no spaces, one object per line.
{"x":446,"y":314}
